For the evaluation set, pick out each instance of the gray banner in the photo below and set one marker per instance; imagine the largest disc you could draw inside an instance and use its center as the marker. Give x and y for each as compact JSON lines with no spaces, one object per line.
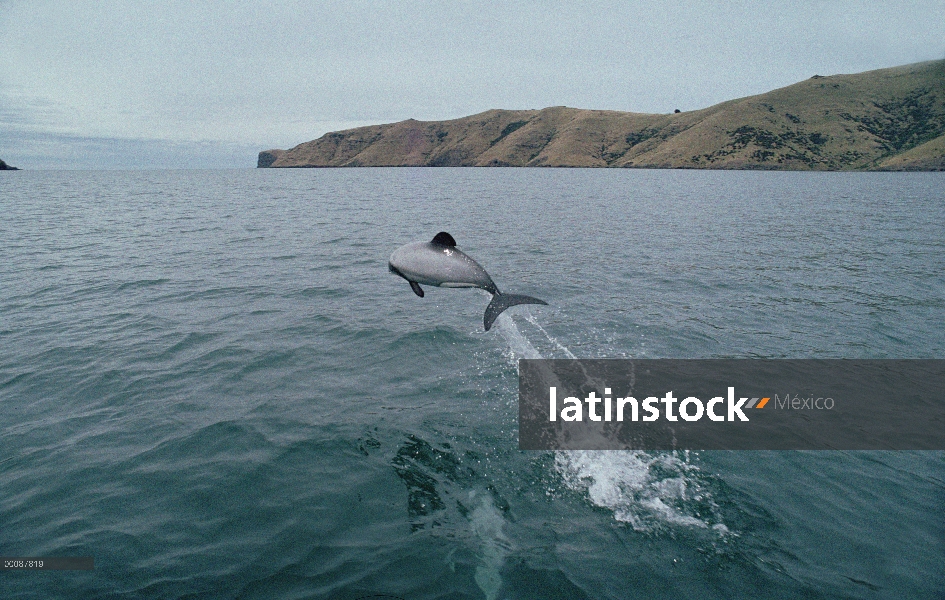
{"x":732,"y":404}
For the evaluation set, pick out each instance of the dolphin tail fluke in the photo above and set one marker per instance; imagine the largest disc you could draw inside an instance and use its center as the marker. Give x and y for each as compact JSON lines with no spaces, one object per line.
{"x":500,"y":302}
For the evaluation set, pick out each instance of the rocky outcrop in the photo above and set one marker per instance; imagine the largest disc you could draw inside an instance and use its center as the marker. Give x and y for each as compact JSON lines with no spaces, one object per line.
{"x":267,"y":158}
{"x":5,"y":167}
{"x":878,"y":120}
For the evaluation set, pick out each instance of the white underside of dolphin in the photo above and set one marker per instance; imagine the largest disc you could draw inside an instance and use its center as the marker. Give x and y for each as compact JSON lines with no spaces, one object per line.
{"x":439,"y":262}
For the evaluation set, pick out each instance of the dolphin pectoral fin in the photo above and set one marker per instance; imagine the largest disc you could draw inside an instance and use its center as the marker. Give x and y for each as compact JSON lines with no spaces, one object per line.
{"x":416,"y":288}
{"x":500,"y":302}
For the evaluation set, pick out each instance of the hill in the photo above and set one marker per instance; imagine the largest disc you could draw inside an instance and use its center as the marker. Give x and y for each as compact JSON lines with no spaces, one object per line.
{"x":5,"y":167}
{"x":888,"y":119}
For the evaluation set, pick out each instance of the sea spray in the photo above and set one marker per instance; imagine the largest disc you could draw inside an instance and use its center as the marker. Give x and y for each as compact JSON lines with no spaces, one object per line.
{"x":487,"y":523}
{"x":519,"y":345}
{"x":531,"y":319}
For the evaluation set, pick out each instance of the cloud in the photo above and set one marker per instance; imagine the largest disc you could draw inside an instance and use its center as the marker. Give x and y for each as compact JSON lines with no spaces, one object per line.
{"x":284,"y":72}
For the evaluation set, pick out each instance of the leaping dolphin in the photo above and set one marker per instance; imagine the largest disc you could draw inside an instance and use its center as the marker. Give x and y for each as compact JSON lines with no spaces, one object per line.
{"x":440,"y":263}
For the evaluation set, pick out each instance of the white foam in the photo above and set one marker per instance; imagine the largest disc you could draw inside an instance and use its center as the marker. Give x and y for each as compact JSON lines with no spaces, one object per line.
{"x":640,"y":489}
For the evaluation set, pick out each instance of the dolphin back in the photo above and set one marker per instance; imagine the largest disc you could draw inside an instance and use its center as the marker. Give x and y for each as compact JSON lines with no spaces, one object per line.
{"x":500,"y":302}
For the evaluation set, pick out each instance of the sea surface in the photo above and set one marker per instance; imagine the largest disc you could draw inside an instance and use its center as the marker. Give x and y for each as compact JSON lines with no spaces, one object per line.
{"x":210,"y":382}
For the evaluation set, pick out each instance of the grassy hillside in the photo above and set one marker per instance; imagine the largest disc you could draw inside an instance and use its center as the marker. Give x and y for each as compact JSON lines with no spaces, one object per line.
{"x":889,"y":119}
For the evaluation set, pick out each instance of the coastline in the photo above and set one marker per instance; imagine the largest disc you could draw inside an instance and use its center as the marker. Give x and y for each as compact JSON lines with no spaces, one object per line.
{"x":883,"y":120}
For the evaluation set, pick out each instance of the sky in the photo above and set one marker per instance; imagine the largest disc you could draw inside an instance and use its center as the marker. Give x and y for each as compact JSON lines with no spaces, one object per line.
{"x":117,"y":84}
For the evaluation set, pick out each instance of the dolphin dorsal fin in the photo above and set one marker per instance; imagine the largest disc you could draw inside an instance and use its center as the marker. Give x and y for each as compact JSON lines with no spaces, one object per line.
{"x":444,"y":239}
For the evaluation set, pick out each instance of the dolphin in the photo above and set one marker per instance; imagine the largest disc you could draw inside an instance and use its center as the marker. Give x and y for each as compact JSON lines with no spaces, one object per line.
{"x":439,"y":262}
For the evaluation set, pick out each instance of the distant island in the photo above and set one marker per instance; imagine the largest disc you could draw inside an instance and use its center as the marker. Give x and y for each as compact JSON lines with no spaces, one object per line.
{"x":889,"y":119}
{"x":5,"y":167}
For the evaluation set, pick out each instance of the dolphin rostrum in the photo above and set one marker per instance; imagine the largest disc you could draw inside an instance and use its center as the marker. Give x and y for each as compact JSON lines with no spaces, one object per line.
{"x":440,"y":263}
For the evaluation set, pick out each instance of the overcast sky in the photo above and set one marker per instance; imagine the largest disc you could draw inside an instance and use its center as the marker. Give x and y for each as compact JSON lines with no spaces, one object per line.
{"x":116,"y":84}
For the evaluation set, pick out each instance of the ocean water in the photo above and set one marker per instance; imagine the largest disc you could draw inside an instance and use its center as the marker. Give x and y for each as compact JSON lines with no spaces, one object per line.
{"x":210,"y":382}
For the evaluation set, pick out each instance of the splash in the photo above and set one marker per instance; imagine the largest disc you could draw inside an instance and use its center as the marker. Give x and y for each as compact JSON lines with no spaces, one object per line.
{"x":646,"y":491}
{"x":643,"y":490}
